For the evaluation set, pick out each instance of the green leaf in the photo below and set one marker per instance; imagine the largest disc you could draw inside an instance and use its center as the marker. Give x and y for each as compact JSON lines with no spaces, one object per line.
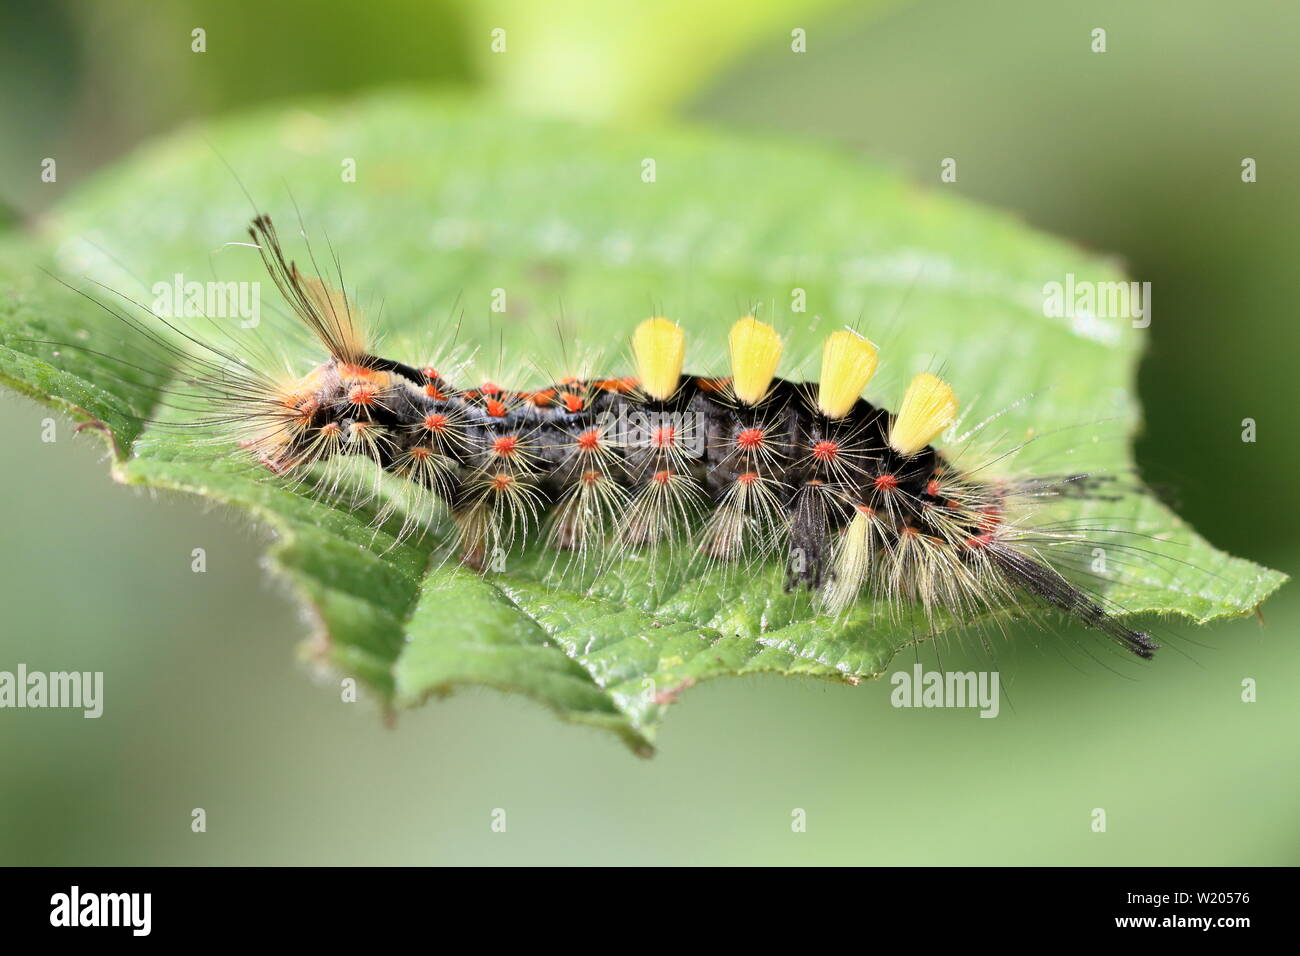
{"x":452,"y":201}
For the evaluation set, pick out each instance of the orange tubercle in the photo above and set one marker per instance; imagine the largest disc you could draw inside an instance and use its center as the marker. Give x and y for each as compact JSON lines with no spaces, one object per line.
{"x":825,"y":451}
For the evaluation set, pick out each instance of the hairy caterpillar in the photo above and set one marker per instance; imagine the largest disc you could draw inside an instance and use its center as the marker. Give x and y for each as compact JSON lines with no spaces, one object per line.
{"x":742,"y":467}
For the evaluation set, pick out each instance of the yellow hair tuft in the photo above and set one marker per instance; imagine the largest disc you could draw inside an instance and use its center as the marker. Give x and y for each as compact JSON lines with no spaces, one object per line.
{"x":659,"y":346}
{"x":755,"y":354}
{"x":848,"y":362}
{"x":929,"y":407}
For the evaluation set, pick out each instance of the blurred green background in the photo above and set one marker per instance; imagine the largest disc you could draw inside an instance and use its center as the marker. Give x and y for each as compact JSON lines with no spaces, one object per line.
{"x":1136,"y":151}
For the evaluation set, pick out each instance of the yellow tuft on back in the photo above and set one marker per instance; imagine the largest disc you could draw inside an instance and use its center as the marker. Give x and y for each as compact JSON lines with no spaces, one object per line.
{"x":848,"y":362}
{"x":755,"y":353}
{"x":929,"y":407}
{"x":659,"y":347}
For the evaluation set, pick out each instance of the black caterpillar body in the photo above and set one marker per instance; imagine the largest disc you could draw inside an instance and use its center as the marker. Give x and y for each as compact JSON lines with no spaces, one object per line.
{"x":742,"y":467}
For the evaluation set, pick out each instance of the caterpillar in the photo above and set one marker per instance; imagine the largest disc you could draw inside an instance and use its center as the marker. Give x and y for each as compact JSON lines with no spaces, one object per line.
{"x":856,"y":499}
